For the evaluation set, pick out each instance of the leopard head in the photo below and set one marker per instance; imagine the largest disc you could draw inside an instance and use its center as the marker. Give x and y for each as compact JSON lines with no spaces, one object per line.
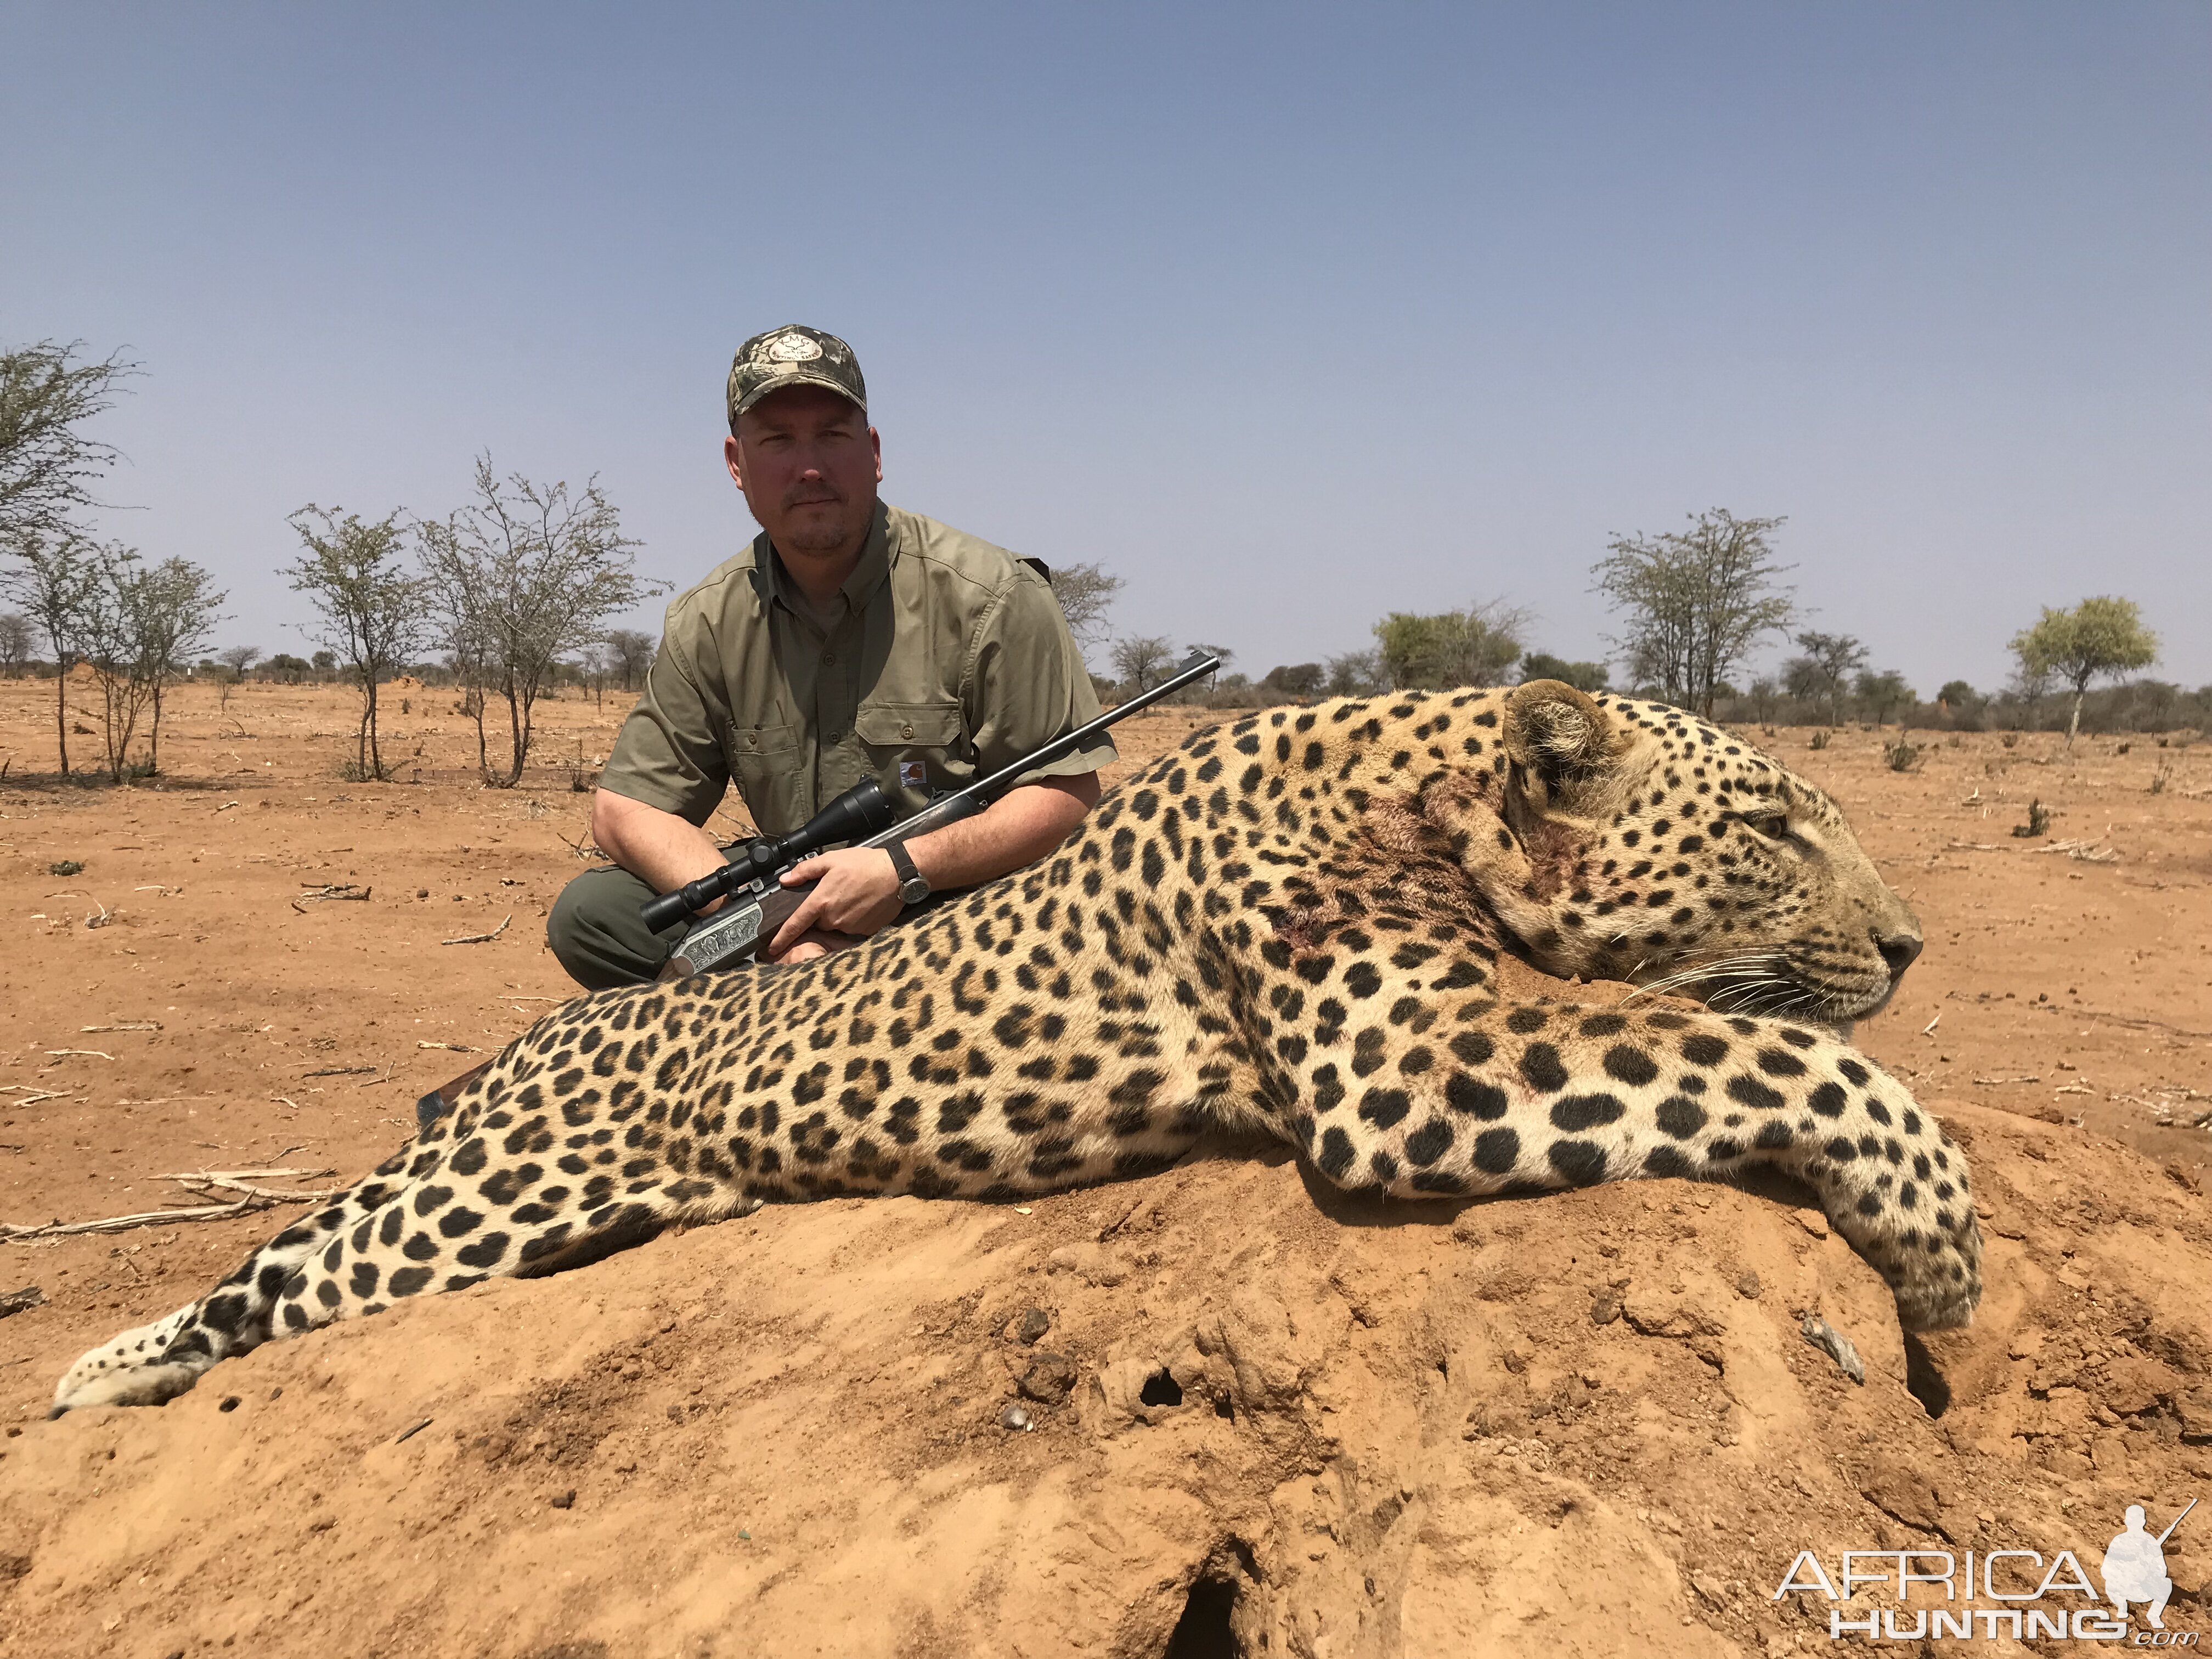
{"x":1630,"y":841}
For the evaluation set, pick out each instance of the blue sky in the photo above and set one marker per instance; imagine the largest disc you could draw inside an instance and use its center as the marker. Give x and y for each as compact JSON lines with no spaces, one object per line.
{"x":1290,"y":316}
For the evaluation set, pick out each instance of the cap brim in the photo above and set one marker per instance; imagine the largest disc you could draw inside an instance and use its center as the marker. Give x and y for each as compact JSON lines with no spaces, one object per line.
{"x":785,"y":382}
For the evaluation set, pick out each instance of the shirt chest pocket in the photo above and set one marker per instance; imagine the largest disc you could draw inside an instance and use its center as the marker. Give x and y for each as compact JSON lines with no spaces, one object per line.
{"x":765,"y":760}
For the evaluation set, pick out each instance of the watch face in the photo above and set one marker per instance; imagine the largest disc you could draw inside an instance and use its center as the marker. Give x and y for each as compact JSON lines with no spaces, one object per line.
{"x":914,"y":890}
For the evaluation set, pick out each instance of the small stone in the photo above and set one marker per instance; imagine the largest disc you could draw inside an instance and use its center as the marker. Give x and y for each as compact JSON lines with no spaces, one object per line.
{"x":1048,"y":1378}
{"x":1034,"y":1323}
{"x":229,"y":1403}
{"x":1746,"y":1285}
{"x":1094,"y":1264}
{"x":565,"y":1500}
{"x":1834,"y":1343}
{"x":1016,"y":1419}
{"x":1604,"y":1306}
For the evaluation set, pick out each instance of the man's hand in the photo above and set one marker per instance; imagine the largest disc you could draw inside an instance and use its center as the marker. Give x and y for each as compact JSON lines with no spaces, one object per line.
{"x":857,"y":888}
{"x":855,"y":892}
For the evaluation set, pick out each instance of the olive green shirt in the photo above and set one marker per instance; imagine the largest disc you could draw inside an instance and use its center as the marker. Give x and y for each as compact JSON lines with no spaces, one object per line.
{"x":944,"y":660}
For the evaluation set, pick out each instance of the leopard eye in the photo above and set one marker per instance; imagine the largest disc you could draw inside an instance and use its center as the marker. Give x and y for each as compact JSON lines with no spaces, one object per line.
{"x":1775,"y":826}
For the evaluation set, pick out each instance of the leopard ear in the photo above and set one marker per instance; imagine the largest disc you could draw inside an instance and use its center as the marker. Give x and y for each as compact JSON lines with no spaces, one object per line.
{"x":1559,"y":738}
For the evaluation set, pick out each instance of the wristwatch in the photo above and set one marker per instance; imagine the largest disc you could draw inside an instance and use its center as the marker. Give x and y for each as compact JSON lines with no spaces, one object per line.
{"x":912,"y":885}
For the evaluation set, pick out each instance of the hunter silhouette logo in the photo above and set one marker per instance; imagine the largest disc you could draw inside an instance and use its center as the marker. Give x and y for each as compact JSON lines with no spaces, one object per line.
{"x":2025,"y":1593}
{"x":2134,"y":1567}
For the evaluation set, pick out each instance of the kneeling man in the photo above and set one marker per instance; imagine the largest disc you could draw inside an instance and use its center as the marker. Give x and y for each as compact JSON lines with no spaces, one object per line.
{"x":851,"y":639}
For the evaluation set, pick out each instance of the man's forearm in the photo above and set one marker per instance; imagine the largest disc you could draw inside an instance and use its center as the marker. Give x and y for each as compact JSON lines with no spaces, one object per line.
{"x":658,"y":847}
{"x":1019,"y":828}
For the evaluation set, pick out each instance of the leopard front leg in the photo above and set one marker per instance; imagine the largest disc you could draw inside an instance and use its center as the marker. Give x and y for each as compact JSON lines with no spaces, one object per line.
{"x":1545,"y":1095}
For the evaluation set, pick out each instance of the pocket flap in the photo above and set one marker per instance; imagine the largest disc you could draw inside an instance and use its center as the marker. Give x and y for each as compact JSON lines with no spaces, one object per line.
{"x":909,"y":724}
{"x":749,"y":740}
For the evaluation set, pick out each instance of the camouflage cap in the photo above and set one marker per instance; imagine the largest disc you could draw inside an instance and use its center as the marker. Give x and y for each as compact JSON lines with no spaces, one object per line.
{"x":793,"y":355}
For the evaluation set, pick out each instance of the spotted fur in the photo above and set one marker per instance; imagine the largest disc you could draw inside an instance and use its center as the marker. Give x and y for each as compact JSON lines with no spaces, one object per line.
{"x":1290,"y":924}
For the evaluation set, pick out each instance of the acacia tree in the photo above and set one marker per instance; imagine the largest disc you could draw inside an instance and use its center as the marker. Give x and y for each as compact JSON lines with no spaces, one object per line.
{"x":631,"y":654}
{"x":47,"y":465}
{"x":1583,"y":675}
{"x":521,"y":576}
{"x":1086,"y":592}
{"x":171,"y":611}
{"x":1882,"y":692}
{"x":2098,"y":637}
{"x":54,"y":579}
{"x":1824,"y":670}
{"x":1141,"y":662}
{"x":1356,"y":673}
{"x":137,"y":625}
{"x":16,"y":638}
{"x":1473,"y":647}
{"x":1695,"y":602}
{"x":369,"y":609}
{"x":237,"y":659}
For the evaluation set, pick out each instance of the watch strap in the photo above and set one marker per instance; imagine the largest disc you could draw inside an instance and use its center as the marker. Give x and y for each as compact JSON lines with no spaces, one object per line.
{"x":902,"y":866}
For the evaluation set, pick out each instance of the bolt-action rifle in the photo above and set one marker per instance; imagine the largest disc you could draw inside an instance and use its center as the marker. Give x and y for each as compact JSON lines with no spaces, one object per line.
{"x":758,"y":903}
{"x":752,"y":882}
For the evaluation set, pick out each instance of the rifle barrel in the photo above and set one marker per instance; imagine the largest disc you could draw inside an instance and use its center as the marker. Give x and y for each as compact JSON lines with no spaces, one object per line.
{"x":2178,"y":1520}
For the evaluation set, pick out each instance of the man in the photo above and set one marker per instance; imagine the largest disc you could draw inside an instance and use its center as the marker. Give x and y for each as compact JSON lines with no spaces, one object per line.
{"x":851,"y":639}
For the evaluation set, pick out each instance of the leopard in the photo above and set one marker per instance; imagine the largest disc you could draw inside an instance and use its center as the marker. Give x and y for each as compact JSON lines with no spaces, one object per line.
{"x":1294,"y":927}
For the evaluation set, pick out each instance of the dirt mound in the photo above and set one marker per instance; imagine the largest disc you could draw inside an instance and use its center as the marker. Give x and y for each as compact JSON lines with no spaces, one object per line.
{"x":1265,"y":1418}
{"x":1563,"y":1423}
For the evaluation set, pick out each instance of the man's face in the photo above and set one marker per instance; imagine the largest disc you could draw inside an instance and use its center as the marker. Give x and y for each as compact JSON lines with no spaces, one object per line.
{"x":809,"y":464}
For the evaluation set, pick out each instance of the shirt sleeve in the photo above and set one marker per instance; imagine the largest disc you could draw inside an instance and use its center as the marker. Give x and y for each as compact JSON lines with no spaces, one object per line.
{"x":669,"y":753}
{"x":1027,"y":685}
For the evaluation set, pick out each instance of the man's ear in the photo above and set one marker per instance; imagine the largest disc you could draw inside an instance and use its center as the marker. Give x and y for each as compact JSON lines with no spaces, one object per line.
{"x":1558,"y":739}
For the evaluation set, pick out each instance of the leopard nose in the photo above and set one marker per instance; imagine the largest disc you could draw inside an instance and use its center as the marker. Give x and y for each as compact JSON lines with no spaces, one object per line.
{"x":1899,"y":951}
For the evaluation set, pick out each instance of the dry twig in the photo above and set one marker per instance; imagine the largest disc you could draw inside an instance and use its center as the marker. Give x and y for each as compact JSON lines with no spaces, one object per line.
{"x":343,"y":889}
{"x":480,"y":938}
{"x":2089,"y":852}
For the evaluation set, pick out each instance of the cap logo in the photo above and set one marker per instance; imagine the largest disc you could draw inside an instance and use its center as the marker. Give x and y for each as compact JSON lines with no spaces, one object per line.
{"x":792,"y":349}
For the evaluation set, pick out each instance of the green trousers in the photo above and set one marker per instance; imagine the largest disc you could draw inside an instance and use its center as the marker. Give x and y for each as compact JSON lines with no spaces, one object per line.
{"x":598,"y":937}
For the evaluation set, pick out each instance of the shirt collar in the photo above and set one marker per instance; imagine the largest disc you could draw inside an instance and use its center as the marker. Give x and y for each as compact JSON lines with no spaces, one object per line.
{"x":859,"y":587}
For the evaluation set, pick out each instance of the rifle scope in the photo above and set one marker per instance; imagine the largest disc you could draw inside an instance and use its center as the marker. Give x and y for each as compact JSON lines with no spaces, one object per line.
{"x":861,"y":812}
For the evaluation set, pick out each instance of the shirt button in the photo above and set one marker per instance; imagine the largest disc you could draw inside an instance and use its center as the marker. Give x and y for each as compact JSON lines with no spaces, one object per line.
{"x":828,"y":657}
{"x":906,"y":731}
{"x":751,"y":741}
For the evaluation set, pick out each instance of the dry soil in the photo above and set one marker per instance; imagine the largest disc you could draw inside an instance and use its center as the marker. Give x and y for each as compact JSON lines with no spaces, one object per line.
{"x":1264,"y":1419}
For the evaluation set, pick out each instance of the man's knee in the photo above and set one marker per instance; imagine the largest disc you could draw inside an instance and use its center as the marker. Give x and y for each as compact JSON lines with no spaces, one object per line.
{"x":596,"y":935}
